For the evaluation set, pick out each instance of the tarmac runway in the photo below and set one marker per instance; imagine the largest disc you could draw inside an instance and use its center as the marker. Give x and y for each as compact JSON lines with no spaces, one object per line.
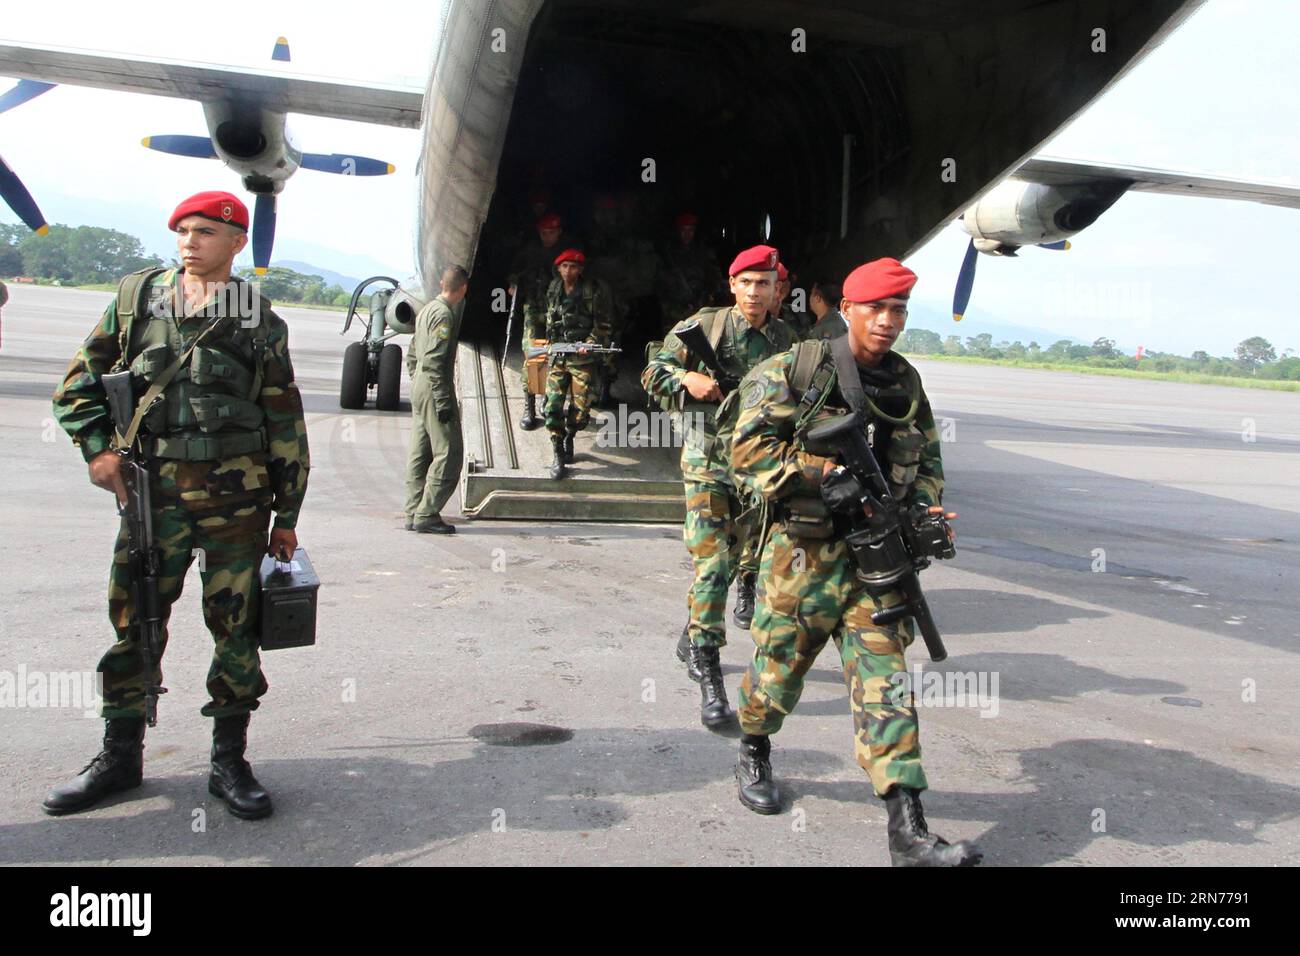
{"x":1125,"y":593}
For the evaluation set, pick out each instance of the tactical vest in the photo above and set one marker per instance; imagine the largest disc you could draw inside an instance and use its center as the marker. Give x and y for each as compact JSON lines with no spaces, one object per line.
{"x":208,"y":410}
{"x":566,"y":322}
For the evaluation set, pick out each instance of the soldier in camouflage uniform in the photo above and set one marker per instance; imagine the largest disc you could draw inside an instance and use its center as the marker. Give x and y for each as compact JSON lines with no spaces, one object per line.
{"x":717,"y":522}
{"x":530,"y":276}
{"x":437,"y":446}
{"x":577,"y":310}
{"x":809,"y":588}
{"x":689,"y":274}
{"x":227,"y":446}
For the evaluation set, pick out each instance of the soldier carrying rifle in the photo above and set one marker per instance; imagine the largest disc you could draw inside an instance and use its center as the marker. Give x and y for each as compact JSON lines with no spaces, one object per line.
{"x":848,"y":536}
{"x":183,"y":404}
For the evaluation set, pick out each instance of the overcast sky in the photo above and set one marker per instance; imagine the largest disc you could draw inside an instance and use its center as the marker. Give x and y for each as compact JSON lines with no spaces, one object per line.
{"x":1168,"y":273}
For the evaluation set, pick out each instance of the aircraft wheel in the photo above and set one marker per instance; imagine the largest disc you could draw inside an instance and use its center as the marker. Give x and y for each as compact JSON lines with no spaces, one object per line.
{"x":352,"y":387}
{"x":389,"y":394}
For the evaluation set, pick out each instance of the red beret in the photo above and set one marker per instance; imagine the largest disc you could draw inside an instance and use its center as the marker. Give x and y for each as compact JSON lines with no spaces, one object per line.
{"x":223,"y":207}
{"x":549,"y":221}
{"x":570,"y":255}
{"x":881,"y":279}
{"x":782,"y":272}
{"x":755,"y":259}
{"x":686,"y":219}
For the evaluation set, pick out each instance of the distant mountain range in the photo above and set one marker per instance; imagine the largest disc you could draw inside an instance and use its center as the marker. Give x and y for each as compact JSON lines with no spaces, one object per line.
{"x":1001,"y":331}
{"x":330,"y":276}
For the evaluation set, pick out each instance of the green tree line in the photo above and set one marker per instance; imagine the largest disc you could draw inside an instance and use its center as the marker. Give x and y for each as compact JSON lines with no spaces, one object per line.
{"x":82,"y":256}
{"x":1254,"y":357}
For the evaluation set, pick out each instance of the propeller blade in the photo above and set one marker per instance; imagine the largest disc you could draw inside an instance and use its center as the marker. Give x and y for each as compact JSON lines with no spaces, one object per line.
{"x":281,"y":51}
{"x":198,"y":147}
{"x":346,"y":165}
{"x":965,"y":282}
{"x":1055,"y":246}
{"x":20,"y":200}
{"x":263,"y":233}
{"x":23,"y":91}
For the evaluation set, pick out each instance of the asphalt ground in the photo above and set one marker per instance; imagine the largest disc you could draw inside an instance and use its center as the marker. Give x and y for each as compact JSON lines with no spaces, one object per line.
{"x":1127,"y":574}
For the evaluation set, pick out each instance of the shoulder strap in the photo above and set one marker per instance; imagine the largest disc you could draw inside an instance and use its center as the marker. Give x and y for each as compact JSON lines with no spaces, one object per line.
{"x":811,"y":378}
{"x":807,"y":358}
{"x":718,"y":326}
{"x":846,"y":374}
{"x":162,"y":382}
{"x":131,"y":294}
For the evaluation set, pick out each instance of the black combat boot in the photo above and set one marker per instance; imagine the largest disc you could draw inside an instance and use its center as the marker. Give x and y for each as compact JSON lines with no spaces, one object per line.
{"x":530,"y":419}
{"x":910,"y":841}
{"x":119,"y":766}
{"x":754,"y":775}
{"x":689,"y":654}
{"x":557,"y":465}
{"x":232,"y":778}
{"x":743,"y":612}
{"x":568,"y":447}
{"x":714,"y":711}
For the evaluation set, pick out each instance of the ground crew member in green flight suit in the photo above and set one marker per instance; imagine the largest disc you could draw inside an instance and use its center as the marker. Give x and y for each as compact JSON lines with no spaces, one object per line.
{"x":437,"y":449}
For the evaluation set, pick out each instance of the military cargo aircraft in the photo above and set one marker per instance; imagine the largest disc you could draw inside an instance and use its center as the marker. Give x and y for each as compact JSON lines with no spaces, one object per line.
{"x":835,"y":130}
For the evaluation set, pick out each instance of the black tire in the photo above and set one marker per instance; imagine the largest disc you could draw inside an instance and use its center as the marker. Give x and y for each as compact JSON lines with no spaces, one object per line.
{"x":352,"y":387}
{"x":389,"y":394}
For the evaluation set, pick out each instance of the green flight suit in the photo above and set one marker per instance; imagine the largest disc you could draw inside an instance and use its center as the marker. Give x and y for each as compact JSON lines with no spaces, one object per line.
{"x":437,"y":449}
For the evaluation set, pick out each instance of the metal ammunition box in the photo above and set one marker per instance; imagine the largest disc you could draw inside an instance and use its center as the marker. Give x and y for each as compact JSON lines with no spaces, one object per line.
{"x":288,"y":605}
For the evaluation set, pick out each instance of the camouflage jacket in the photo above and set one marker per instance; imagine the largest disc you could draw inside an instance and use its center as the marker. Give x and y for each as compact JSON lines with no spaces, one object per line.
{"x":81,"y":408}
{"x":801,"y":322}
{"x":585,"y":315}
{"x":771,"y":457}
{"x":740,"y":349}
{"x":433,"y":350}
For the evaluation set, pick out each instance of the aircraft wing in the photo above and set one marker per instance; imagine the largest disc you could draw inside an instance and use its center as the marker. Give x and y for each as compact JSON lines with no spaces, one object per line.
{"x":1051,"y":171}
{"x":275,"y":91}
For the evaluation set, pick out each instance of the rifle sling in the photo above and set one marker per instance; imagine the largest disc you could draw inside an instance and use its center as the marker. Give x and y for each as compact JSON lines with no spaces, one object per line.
{"x":127,"y":440}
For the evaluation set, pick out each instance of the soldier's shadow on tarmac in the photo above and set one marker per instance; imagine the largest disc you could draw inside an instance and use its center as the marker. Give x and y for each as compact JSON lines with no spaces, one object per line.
{"x":1084,"y":790}
{"x":358,"y":803}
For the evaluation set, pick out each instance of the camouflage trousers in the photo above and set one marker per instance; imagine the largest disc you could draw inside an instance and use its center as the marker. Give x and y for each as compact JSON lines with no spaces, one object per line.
{"x":808,"y":593}
{"x":228,"y":534}
{"x":717,"y":530}
{"x":435,"y":456}
{"x":566,"y":374}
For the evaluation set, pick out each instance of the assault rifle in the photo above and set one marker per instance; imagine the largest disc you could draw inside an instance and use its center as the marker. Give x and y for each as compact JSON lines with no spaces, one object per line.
{"x":144,"y":557}
{"x":693,"y":337}
{"x":570,"y":348}
{"x":889,"y":544}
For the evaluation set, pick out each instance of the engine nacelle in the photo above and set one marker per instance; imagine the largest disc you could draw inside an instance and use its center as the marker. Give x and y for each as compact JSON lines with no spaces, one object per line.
{"x":1016,"y":213}
{"x":402,"y":308}
{"x":254,"y":143}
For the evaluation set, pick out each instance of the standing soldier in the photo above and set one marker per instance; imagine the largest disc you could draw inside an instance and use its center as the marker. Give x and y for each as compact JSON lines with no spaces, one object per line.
{"x":227,"y":444}
{"x":741,"y":337}
{"x":578,"y":310}
{"x":530,"y":276}
{"x":824,"y":300}
{"x":689,"y":275}
{"x":437,"y":449}
{"x":812,"y":591}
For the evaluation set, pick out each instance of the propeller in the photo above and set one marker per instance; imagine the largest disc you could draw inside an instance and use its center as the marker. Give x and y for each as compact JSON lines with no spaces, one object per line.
{"x":197,"y":147}
{"x":15,"y":194}
{"x":23,"y":91}
{"x":263,"y":232}
{"x":21,"y":201}
{"x":345,"y":164}
{"x":966,"y":276}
